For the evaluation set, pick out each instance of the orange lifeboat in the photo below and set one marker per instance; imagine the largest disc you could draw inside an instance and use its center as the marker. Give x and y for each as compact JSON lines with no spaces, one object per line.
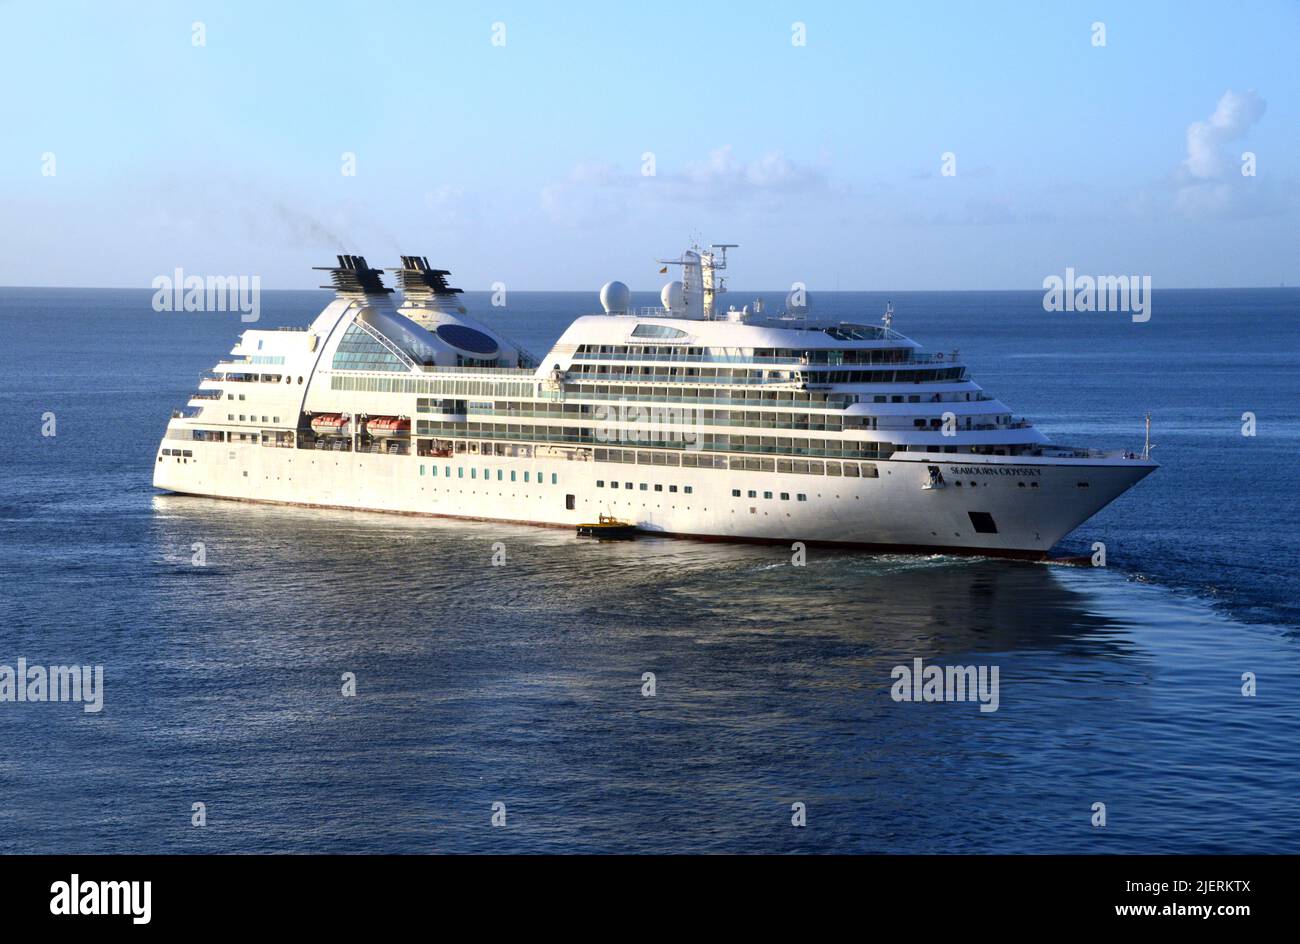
{"x":329,"y":424}
{"x":386,"y":427}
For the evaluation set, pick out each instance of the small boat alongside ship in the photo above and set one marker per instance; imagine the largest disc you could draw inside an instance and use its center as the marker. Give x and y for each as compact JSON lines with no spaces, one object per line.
{"x":607,"y":528}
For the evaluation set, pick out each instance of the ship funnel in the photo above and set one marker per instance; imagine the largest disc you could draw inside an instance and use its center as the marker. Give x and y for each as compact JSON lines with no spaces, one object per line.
{"x":352,"y":276}
{"x":423,"y":285}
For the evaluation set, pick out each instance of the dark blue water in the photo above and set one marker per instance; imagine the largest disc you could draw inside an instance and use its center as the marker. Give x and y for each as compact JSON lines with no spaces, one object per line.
{"x":521,"y":684}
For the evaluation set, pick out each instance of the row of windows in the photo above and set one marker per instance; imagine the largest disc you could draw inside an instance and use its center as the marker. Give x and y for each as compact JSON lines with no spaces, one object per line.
{"x":251,"y":418}
{"x":266,"y":436}
{"x":865,"y":470}
{"x":877,"y":355}
{"x":791,"y":399}
{"x":645,"y":486}
{"x":463,"y":388}
{"x":785,"y":496}
{"x":757,"y":376}
{"x":633,"y":411}
{"x":939,"y":375}
{"x":663,"y":439}
{"x":257,"y":378}
{"x":540,"y":477}
{"x":738,"y":375}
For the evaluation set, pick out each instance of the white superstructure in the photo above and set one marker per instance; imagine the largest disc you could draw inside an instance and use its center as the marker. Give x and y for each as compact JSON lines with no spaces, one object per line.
{"x":685,"y":420}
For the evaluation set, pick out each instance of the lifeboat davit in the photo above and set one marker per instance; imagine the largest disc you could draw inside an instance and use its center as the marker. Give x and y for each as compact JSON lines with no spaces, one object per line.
{"x":329,"y":424}
{"x":389,"y":426}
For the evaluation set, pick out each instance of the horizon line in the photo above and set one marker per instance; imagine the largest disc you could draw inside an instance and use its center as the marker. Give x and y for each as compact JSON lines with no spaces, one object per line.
{"x":765,"y":291}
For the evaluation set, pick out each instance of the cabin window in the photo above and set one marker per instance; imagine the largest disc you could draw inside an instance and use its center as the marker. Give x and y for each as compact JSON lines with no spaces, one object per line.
{"x":735,"y":493}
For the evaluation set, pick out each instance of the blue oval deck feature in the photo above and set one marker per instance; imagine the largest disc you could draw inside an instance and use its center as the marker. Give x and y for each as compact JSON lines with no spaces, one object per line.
{"x":467,"y":339}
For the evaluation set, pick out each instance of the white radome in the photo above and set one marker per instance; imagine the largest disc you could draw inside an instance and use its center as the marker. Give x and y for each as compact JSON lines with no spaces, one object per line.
{"x":615,"y":297}
{"x":673,"y":296}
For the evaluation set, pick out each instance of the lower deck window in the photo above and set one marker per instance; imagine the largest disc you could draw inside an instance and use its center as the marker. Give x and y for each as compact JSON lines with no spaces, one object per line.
{"x":983,"y":522}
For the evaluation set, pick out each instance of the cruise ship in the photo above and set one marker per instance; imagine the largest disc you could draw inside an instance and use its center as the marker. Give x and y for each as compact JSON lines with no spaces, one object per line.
{"x":685,"y":420}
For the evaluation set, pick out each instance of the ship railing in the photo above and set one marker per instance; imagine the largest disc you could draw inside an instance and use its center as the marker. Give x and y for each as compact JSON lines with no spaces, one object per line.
{"x":681,"y":378}
{"x":936,"y":358}
{"x":690,"y":358}
{"x":479,"y":371}
{"x":717,"y":401}
{"x":985,"y":427}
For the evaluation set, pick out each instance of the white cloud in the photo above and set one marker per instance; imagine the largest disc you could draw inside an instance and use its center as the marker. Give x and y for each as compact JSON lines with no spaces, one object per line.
{"x":1206,"y":140}
{"x":723,"y":172}
{"x":594,"y":193}
{"x":1209,"y":183}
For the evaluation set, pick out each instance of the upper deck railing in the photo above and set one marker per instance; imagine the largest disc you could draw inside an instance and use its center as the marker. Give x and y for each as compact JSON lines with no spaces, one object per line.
{"x":480,"y":371}
{"x":676,"y":357}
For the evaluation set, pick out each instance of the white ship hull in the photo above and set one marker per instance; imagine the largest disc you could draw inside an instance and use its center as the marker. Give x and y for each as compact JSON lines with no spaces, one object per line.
{"x":1032,"y":504}
{"x":682,"y":421}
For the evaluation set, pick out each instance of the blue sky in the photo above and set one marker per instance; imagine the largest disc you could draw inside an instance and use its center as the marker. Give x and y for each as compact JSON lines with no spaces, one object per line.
{"x":523,"y":162}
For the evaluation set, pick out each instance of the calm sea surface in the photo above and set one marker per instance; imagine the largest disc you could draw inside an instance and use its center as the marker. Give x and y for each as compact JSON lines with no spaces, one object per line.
{"x":522,"y":684}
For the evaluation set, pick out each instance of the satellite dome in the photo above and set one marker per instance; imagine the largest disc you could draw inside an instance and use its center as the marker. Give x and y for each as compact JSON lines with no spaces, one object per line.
{"x":673,"y":296}
{"x":615,"y":297}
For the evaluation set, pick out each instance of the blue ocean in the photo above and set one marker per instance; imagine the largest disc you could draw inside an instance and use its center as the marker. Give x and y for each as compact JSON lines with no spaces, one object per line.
{"x":515,"y":693}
